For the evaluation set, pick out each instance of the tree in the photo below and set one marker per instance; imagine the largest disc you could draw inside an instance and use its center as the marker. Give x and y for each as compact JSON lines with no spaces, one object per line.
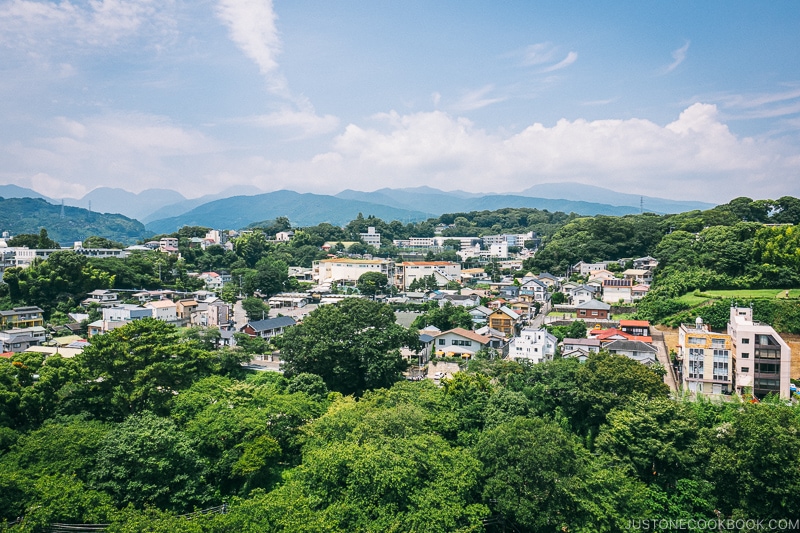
{"x":372,"y":283}
{"x":255,"y":308}
{"x":30,"y":240}
{"x":137,"y":367}
{"x":147,"y":460}
{"x":101,"y":242}
{"x":250,"y":247}
{"x":353,"y":345}
{"x":558,"y":297}
{"x":446,"y":317}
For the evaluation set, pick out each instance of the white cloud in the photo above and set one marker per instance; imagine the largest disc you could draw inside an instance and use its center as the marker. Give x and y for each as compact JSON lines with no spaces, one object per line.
{"x":678,"y":57}
{"x":567,"y":61}
{"x":37,"y":26}
{"x":696,"y":154}
{"x":307,"y":123}
{"x":252,"y":26}
{"x":477,"y":99}
{"x":538,"y":53}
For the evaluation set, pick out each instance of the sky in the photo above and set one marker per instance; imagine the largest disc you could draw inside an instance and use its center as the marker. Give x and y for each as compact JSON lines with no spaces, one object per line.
{"x":682,"y":100}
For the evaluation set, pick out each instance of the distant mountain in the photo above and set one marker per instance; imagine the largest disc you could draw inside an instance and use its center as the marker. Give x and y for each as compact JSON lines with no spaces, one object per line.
{"x":15,"y":191}
{"x":301,"y":209}
{"x":436,"y":202}
{"x":179,"y":208}
{"x":138,"y":206}
{"x":29,"y":215}
{"x":591,"y":193}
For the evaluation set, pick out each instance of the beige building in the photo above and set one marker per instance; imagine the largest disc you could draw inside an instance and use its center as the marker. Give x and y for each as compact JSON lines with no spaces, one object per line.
{"x":443,"y":271}
{"x":344,"y":269}
{"x":708,"y":360}
{"x":763,"y":359}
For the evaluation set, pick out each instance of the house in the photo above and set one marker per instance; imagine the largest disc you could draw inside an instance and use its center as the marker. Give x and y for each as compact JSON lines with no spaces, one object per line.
{"x":606,"y":336}
{"x":581,"y":294}
{"x":579,"y":348}
{"x":617,"y":290}
{"x":638,"y":276}
{"x":534,"y":291}
{"x":763,"y":359}
{"x":212,"y":314}
{"x":284,"y":236}
{"x":601,"y":275}
{"x":548,"y":279}
{"x":460,"y":300}
{"x":480,"y":314}
{"x":289,"y":299}
{"x":639,"y":351}
{"x":522,"y":308}
{"x":184,"y":308}
{"x":534,"y":345}
{"x":585,"y":269}
{"x":20,"y":339}
{"x":126,"y":313}
{"x":427,"y":338}
{"x":213,"y":281}
{"x":706,"y":359}
{"x":165,"y":310}
{"x":639,"y":291}
{"x":102,"y":297}
{"x":645,"y":263}
{"x":504,"y":320}
{"x":496,"y":338}
{"x":21,"y":317}
{"x":639,"y":328}
{"x":459,"y":342}
{"x":593,"y":310}
{"x":168,"y":245}
{"x":496,"y":304}
{"x":269,"y":327}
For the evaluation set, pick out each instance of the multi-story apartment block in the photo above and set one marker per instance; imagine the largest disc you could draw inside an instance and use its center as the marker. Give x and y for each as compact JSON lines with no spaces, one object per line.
{"x":763,"y":359}
{"x":708,"y":361}
{"x":442,"y":271}
{"x":535,"y":345}
{"x":371,"y":238}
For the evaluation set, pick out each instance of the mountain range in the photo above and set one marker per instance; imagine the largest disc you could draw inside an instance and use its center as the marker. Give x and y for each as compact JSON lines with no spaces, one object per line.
{"x":165,"y":210}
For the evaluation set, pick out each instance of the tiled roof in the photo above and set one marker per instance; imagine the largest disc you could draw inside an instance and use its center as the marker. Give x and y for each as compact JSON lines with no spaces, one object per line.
{"x":468,"y":334}
{"x":272,"y":323}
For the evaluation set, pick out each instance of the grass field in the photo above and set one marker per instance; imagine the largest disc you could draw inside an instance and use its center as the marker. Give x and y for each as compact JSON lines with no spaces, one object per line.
{"x":696,"y":299}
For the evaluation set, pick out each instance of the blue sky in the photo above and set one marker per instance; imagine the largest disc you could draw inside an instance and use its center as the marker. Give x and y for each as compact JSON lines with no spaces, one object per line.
{"x":685,"y":100}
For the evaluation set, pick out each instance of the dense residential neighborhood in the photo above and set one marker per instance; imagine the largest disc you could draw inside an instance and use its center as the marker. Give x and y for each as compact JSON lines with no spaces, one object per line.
{"x":492,"y":325}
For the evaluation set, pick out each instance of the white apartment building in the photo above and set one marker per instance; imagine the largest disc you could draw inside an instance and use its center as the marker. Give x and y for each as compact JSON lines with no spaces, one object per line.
{"x":708,"y":361}
{"x":763,"y":359}
{"x":443,"y":271}
{"x":371,"y":238}
{"x":349,"y":270}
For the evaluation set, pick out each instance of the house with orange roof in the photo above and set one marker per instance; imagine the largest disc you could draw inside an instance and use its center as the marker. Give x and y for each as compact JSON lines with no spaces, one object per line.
{"x":635,"y":327}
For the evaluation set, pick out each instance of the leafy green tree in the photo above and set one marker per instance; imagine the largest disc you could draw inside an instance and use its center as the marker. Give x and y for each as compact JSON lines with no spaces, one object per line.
{"x":372,"y":283}
{"x":251,"y":247}
{"x":101,"y":242}
{"x":138,"y":367}
{"x":446,"y":317}
{"x":353,"y":345}
{"x":147,"y":460}
{"x":255,"y":308}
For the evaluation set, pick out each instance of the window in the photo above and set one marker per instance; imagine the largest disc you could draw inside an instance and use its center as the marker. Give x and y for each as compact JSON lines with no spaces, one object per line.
{"x":718,"y":343}
{"x":745,"y":341}
{"x":441,"y":342}
{"x":720,"y":371}
{"x":696,"y":340}
{"x":745,"y":355}
{"x":745,"y":369}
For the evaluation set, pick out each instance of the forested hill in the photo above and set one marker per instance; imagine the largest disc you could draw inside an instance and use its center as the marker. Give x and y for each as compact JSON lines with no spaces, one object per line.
{"x":29,"y":215}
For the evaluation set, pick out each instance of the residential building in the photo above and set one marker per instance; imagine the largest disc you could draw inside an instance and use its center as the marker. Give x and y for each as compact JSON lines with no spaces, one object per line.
{"x":371,"y":237}
{"x":581,"y":294}
{"x":639,"y":351}
{"x":601,"y":275}
{"x":593,"y":310}
{"x":617,"y":290}
{"x":102,"y":297}
{"x":479,"y":314}
{"x":707,"y":359}
{"x":347,"y":270}
{"x":535,"y":345}
{"x":459,"y":342}
{"x":638,"y":276}
{"x":645,"y":263}
{"x":20,"y":339}
{"x":461,"y":300}
{"x":585,"y":269}
{"x":165,"y":310}
{"x":534,"y":290}
{"x":21,"y":317}
{"x":606,"y":336}
{"x":580,"y":348}
{"x":269,"y":327}
{"x":763,"y":359}
{"x":504,"y":320}
{"x":126,"y":313}
{"x":442,"y":271}
{"x":185,"y":307}
{"x":284,"y":236}
{"x":639,"y":328}
{"x":168,"y":244}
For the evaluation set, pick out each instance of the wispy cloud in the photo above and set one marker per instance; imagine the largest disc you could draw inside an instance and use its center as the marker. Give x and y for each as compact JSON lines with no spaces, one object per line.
{"x":538,"y":53}
{"x":599,"y":102}
{"x":477,"y":99}
{"x":678,"y":57}
{"x":761,"y":105}
{"x":564,"y":63}
{"x":307,"y":123}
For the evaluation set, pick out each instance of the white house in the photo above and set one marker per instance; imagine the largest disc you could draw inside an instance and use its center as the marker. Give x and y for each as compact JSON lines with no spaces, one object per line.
{"x":535,"y":345}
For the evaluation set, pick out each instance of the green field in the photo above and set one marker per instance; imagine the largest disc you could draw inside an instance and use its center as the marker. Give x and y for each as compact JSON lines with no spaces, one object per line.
{"x":698,"y":298}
